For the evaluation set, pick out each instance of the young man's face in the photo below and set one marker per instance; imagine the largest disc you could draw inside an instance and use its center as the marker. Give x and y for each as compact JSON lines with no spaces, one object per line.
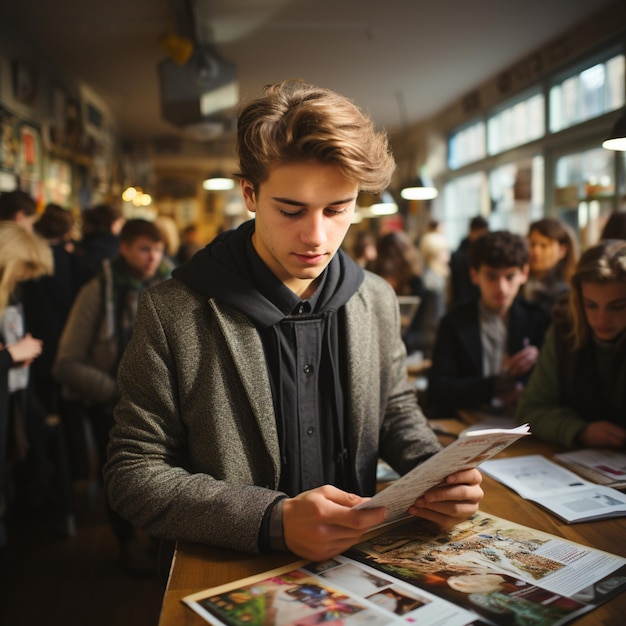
{"x":143,"y":256}
{"x":303,"y":212}
{"x":605,"y":308}
{"x":498,"y":286}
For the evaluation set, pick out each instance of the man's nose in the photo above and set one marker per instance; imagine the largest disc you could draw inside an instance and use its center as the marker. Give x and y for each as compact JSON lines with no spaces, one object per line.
{"x":314,"y":230}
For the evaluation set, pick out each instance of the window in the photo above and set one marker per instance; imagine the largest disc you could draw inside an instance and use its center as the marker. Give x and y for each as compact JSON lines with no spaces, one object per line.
{"x":592,"y":92}
{"x":583,"y":190}
{"x":463,"y":198}
{"x":467,"y":145}
{"x":515,"y":125}
{"x":516,"y":191}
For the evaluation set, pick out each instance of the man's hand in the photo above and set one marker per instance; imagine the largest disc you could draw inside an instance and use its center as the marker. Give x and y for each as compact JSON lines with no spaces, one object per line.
{"x":520,"y":363}
{"x":454,"y":501}
{"x":26,"y":350}
{"x":321,"y":523}
{"x":603,"y":435}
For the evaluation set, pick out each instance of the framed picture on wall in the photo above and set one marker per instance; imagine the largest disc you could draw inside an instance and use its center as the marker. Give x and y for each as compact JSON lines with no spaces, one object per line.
{"x":9,"y":141}
{"x":24,"y":81}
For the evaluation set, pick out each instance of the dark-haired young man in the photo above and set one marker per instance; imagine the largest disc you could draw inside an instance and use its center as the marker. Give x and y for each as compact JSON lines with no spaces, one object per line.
{"x":485,"y":350}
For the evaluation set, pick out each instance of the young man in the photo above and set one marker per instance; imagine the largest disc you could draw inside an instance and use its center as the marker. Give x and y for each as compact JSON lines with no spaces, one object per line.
{"x":97,"y":330}
{"x":263,"y":382}
{"x":18,"y":206}
{"x":485,"y":350}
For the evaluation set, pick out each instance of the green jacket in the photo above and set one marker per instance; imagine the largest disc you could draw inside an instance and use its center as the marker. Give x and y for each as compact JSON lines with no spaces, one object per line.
{"x":567,"y":390}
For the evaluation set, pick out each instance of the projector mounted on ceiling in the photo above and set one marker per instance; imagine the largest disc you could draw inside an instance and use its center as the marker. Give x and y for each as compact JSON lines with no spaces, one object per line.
{"x":205,"y":89}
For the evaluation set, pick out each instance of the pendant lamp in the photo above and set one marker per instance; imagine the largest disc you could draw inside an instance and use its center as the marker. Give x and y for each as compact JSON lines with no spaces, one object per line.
{"x":218,"y":182}
{"x":418,"y":189}
{"x":617,"y":138}
{"x":383,"y":204}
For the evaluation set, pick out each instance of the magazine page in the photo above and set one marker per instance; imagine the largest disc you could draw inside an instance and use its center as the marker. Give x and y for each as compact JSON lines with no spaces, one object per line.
{"x":606,"y":467}
{"x":337,"y":591}
{"x":555,"y":488}
{"x":505,"y":572}
{"x":485,"y":570}
{"x":468,"y":451}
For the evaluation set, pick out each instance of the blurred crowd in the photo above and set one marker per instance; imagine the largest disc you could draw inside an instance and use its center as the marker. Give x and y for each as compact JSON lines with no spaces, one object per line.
{"x":516,"y":325}
{"x":519,"y":326}
{"x":68,"y":296}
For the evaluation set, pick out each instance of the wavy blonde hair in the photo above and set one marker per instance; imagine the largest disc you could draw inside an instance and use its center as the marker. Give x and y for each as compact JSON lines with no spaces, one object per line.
{"x":23,"y":256}
{"x":295,"y":122}
{"x":603,"y":263}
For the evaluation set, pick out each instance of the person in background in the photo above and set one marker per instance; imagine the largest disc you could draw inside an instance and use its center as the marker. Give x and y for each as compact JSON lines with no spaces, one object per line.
{"x":615,"y":226}
{"x":55,"y":426}
{"x":399,"y":262}
{"x":47,"y":300}
{"x":22,"y":256}
{"x":364,"y":251}
{"x":171,"y":238}
{"x":265,"y":380}
{"x":435,"y":253}
{"x":553,"y":255}
{"x":18,"y":206}
{"x":189,"y":244}
{"x":577,"y":394}
{"x":101,"y":228}
{"x":99,"y":327}
{"x":485,"y":350}
{"x":462,"y":288}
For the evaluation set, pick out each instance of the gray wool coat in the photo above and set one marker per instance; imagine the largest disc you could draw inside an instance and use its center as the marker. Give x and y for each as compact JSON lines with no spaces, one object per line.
{"x":194,"y":453}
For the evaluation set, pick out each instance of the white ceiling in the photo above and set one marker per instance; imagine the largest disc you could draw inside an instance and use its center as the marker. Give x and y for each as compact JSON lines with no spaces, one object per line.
{"x":402,"y":60}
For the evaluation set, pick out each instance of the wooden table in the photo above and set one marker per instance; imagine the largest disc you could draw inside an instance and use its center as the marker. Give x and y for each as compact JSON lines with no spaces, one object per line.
{"x":197,"y":567}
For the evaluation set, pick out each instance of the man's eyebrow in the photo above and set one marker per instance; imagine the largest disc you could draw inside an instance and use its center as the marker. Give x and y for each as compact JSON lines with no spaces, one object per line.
{"x":297,"y":203}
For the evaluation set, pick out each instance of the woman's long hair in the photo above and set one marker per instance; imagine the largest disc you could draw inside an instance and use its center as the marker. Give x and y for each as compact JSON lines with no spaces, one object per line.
{"x":603,"y":263}
{"x":23,"y":256}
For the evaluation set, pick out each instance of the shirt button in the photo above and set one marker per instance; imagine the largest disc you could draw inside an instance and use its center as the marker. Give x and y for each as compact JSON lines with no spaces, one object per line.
{"x":310,"y":430}
{"x":307,"y":369}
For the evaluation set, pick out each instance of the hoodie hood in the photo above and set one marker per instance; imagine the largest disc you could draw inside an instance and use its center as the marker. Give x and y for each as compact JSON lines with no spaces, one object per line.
{"x":222,"y":270}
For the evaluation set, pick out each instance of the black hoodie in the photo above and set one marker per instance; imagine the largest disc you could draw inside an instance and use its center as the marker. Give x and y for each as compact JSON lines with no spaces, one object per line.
{"x":303,"y":352}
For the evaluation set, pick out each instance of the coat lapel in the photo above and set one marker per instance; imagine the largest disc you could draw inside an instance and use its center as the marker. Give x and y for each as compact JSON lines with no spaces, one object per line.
{"x":246,"y":350}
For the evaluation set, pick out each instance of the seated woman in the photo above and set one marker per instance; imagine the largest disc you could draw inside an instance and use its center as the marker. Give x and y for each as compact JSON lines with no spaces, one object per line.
{"x":553,"y":255}
{"x":577,"y":393}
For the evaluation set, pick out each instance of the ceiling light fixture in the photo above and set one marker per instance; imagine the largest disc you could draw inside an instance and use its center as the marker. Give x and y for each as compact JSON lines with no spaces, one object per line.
{"x":383,"y":204}
{"x":218,"y":182}
{"x":418,"y":189}
{"x":617,"y":138}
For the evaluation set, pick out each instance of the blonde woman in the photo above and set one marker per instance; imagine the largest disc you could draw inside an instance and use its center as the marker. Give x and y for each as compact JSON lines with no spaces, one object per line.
{"x":577,"y":393}
{"x":22,"y":256}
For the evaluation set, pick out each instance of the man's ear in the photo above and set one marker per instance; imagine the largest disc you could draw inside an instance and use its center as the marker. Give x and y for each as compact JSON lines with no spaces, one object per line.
{"x":249,"y":195}
{"x":474,"y":275}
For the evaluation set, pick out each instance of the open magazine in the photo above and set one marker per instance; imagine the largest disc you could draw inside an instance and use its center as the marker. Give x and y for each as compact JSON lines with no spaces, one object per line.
{"x":605,"y":467}
{"x":469,"y":450}
{"x":485,"y":570}
{"x":563,"y":493}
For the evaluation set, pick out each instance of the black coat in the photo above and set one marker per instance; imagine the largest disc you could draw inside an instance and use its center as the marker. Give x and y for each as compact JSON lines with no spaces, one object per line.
{"x":456,"y":379}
